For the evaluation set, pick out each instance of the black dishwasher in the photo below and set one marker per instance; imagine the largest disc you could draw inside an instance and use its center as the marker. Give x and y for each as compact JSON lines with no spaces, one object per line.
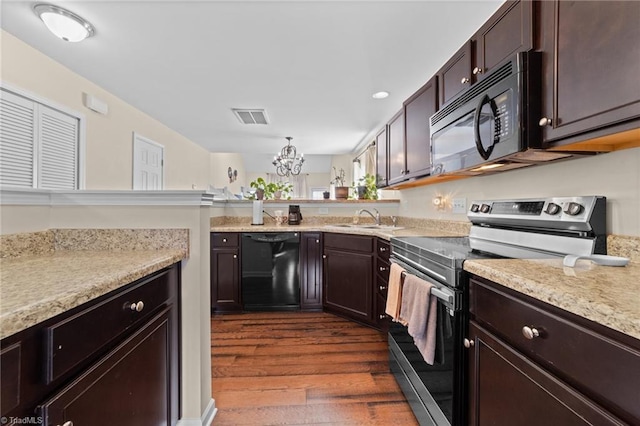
{"x":270,"y":271}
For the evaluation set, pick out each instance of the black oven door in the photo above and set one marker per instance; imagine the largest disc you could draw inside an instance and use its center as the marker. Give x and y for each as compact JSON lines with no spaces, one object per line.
{"x":435,"y":392}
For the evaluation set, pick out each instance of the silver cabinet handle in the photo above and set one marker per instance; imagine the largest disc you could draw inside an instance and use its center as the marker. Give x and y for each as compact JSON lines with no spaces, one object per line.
{"x":235,"y":256}
{"x":382,"y":287}
{"x":383,"y":316}
{"x":224,"y":240}
{"x":383,"y":249}
{"x":468,"y":343}
{"x":545,"y":121}
{"x":138,"y":307}
{"x":477,"y":70}
{"x":530,"y":332}
{"x":383,"y":268}
{"x":317,"y":241}
{"x":67,"y":423}
{"x":324,"y":256}
{"x":464,"y":80}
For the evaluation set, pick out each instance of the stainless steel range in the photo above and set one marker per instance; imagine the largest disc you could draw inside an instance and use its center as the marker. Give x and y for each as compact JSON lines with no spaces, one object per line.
{"x":523,"y":228}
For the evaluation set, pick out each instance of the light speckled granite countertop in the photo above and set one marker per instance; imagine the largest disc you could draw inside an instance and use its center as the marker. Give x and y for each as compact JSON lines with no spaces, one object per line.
{"x":45,"y":273}
{"x":606,"y":295}
{"x":36,"y":288}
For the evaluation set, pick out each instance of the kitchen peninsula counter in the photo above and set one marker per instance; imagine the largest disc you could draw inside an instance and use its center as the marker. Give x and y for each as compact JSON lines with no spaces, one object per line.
{"x":606,"y":295}
{"x":41,"y":284}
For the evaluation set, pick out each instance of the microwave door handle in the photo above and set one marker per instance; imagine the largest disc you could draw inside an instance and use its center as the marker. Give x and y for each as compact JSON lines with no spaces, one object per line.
{"x":485,"y":153}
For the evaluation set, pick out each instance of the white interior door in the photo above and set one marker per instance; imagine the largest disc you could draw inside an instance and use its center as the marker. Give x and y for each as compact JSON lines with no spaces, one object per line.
{"x":148,"y":163}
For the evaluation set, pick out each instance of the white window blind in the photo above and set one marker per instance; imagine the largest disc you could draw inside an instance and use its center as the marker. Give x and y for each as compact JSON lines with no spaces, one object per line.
{"x":38,"y":145}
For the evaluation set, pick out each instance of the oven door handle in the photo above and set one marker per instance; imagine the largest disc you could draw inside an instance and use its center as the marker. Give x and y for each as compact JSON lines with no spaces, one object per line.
{"x":418,"y":266}
{"x":442,"y":295}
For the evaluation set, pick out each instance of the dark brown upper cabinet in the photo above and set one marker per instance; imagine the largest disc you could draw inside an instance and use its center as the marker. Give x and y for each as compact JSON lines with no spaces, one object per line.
{"x":508,"y":31}
{"x":417,"y":110}
{"x":591,"y":58}
{"x":382,"y":166}
{"x":455,"y":75}
{"x":396,"y":159}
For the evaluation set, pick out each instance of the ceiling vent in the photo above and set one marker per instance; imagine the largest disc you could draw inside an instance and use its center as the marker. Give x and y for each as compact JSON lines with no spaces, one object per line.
{"x":251,"y":116}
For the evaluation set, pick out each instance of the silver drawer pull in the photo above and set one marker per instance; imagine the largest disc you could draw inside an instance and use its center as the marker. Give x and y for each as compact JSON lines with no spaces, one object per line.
{"x":383,"y":268}
{"x":468,"y":343}
{"x":383,"y":316}
{"x":224,"y":240}
{"x":383,"y":249}
{"x":67,"y":423}
{"x":530,"y":332}
{"x":138,"y":307}
{"x":383,"y":287}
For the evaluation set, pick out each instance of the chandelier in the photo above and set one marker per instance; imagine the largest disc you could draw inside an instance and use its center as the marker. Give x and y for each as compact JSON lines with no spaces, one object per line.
{"x":285,"y":161}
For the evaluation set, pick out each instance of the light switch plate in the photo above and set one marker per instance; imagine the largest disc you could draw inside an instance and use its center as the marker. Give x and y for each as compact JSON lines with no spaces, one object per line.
{"x":459,"y":205}
{"x":323,"y":210}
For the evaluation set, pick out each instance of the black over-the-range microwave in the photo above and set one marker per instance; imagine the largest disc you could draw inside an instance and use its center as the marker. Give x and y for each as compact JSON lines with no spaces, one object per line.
{"x":494,"y":123}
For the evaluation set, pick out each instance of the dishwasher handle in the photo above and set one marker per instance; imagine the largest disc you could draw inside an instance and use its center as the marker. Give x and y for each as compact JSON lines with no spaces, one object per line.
{"x":275,"y":238}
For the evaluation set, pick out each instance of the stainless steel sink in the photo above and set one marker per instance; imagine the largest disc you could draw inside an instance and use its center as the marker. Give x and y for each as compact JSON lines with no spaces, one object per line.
{"x":364,"y":226}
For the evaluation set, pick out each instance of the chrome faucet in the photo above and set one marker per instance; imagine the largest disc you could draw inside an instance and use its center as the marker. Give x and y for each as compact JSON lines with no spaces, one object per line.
{"x":376,"y":216}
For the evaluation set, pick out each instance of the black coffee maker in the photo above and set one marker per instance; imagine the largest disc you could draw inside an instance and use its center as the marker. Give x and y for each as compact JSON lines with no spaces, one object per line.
{"x":295,"y":217}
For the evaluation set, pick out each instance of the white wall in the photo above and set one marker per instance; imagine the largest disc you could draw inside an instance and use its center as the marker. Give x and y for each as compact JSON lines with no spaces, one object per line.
{"x":615,"y":175}
{"x":109,"y":157}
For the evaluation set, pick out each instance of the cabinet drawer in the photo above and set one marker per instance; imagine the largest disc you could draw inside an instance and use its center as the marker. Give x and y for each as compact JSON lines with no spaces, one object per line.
{"x":382,"y":287}
{"x":72,"y":340}
{"x":383,"y":249}
{"x":224,"y":239}
{"x":604,"y":369}
{"x":349,"y":242}
{"x":382,"y":269}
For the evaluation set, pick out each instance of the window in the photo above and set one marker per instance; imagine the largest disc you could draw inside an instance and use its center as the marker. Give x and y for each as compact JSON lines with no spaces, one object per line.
{"x":39,"y":144}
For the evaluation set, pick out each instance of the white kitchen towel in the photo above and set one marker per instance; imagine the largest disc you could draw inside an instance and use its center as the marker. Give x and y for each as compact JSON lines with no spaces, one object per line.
{"x":419,"y":310}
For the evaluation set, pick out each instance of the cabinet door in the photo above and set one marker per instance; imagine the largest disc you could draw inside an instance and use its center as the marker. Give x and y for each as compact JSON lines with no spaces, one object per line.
{"x":590,"y":77}
{"x":417,"y":110}
{"x":507,"y":32}
{"x":382,"y":172}
{"x":128,"y":386}
{"x":397,"y":163}
{"x":507,"y":388}
{"x":225,"y":279}
{"x":311,"y":271}
{"x":455,"y":75}
{"x":348,"y":284}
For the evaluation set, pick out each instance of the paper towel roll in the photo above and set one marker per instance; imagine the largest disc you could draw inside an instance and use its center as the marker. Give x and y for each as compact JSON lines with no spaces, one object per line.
{"x":257,"y":213}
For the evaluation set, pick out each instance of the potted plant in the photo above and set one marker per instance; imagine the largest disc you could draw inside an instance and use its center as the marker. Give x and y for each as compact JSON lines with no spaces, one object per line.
{"x":366,"y":188}
{"x":264,"y":190}
{"x":282,"y":190}
{"x":342,"y":192}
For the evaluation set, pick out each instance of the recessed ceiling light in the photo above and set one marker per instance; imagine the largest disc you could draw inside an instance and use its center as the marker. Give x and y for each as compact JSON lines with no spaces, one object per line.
{"x":380,"y":95}
{"x":63,"y":23}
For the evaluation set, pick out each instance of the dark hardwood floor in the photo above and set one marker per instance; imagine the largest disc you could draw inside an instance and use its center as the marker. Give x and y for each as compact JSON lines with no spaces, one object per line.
{"x":293,"y":368}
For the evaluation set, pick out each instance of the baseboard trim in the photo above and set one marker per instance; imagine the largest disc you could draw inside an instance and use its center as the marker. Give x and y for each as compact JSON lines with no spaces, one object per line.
{"x":205,"y":420}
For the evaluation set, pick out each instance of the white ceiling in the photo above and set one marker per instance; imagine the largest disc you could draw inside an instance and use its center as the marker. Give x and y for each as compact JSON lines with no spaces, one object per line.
{"x":312,"y":65}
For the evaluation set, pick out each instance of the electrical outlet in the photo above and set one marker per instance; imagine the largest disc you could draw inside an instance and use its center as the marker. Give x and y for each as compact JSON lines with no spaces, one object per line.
{"x":323,"y":210}
{"x":459,"y":205}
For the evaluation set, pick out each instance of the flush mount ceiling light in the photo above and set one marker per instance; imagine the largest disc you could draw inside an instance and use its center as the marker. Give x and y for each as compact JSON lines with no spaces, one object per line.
{"x":63,"y":23}
{"x":285,"y":162}
{"x":380,"y":95}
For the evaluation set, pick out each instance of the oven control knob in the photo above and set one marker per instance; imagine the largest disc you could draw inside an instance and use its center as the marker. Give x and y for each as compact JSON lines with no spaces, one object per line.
{"x":475,"y":208}
{"x":485,"y":208}
{"x":573,"y":209}
{"x":552,"y":208}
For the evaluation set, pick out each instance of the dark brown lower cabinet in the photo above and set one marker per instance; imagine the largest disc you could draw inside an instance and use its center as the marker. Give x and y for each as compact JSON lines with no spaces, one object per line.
{"x":348,"y":276}
{"x":114,"y":360}
{"x":128,"y":386}
{"x":311,"y":271}
{"x":531,"y":363}
{"x":225,"y":272}
{"x":508,"y":389}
